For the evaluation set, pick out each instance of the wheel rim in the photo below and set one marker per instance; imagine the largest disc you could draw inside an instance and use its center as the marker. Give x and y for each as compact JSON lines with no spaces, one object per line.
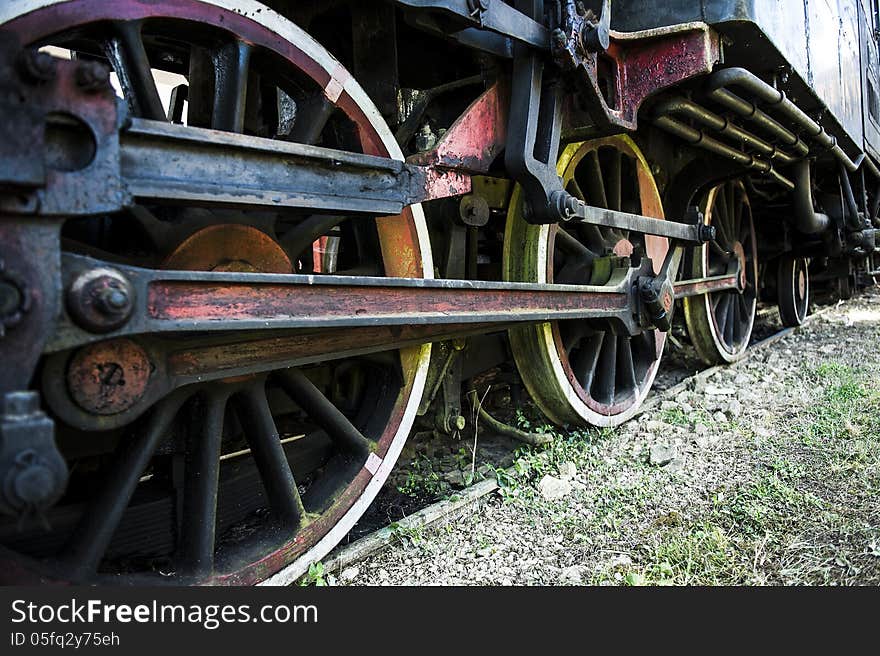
{"x":793,"y":290}
{"x":720,"y":324}
{"x":383,"y":412}
{"x":578,"y":372}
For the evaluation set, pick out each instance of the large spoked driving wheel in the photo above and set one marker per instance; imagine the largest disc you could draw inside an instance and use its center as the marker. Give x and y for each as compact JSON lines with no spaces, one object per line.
{"x":580,"y":372}
{"x":252,"y":476}
{"x":720,"y":323}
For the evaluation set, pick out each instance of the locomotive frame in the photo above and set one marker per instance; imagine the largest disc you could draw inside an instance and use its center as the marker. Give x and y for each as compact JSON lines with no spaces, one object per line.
{"x":217,"y":311}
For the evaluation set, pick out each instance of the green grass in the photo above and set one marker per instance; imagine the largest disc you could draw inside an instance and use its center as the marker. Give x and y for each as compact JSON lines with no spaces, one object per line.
{"x":807,"y":514}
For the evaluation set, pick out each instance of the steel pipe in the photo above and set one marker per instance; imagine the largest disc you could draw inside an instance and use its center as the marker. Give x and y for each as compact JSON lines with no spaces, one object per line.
{"x":718,"y":90}
{"x":807,"y":220}
{"x":701,"y":140}
{"x":691,"y":110}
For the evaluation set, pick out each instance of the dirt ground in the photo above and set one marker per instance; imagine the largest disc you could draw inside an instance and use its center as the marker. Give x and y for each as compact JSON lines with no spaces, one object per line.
{"x":766,"y":472}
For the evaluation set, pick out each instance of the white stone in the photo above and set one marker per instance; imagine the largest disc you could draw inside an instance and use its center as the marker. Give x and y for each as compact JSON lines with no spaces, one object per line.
{"x":573,"y":575}
{"x":661,"y":454}
{"x":552,"y":488}
{"x":567,"y":471}
{"x":717,"y":390}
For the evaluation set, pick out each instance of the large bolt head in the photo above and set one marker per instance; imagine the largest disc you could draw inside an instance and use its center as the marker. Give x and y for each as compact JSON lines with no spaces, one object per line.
{"x":36,"y":67}
{"x":92,"y":76}
{"x":34,"y":486}
{"x":100,"y":300}
{"x":109,"y":377}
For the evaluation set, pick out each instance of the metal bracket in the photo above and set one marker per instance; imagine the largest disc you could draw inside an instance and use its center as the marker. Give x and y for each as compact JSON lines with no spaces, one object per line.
{"x":33,"y":473}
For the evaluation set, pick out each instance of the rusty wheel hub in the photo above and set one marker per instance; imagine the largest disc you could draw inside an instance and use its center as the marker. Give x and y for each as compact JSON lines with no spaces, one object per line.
{"x":229,"y":247}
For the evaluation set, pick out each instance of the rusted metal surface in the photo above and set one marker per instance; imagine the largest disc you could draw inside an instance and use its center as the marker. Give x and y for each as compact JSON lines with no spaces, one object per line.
{"x":639,"y":64}
{"x":229,"y":247}
{"x":100,"y":300}
{"x":371,"y":301}
{"x":686,"y":288}
{"x":31,"y":255}
{"x":476,"y":138}
{"x":109,"y":377}
{"x":402,"y":238}
{"x":58,"y":136}
{"x":163,"y":161}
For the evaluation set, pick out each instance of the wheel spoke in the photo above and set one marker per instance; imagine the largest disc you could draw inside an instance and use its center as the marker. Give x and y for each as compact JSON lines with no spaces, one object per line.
{"x":587,"y":360}
{"x":721,"y":311}
{"x":231,"y":66}
{"x":738,"y":214}
{"x":595,"y":180}
{"x":573,"y":335}
{"x":202,"y":477}
{"x":606,"y":372}
{"x":575,"y":189}
{"x":719,"y":251}
{"x":720,"y":220}
{"x":570,"y":244}
{"x":730,"y":197}
{"x":262,"y":436}
{"x":625,"y":365}
{"x":614,"y":187}
{"x":730,"y":322}
{"x":126,"y":52}
{"x":301,"y":237}
{"x":319,"y":408}
{"x":93,"y":534}
{"x":738,"y":327}
{"x":312,"y":115}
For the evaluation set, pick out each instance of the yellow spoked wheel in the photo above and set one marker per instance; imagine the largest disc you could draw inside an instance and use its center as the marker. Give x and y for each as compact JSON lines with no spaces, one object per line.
{"x":579,"y":371}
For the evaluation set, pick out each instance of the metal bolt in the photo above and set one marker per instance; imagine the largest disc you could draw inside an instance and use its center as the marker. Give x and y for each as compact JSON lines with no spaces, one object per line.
{"x":113,"y":300}
{"x":100,"y":300}
{"x":425,"y":138}
{"x":707,"y":233}
{"x":91,"y":76}
{"x":34,"y":483}
{"x":10,"y":298}
{"x":559,"y":38}
{"x":35,"y":66}
{"x":20,"y":404}
{"x":15,"y":302}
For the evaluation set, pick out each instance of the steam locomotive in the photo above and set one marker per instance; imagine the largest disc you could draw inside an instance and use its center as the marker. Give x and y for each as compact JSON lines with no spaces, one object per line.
{"x":244,"y":247}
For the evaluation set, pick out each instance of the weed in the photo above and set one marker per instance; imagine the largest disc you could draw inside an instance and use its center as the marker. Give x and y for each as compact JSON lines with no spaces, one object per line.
{"x":315,"y":576}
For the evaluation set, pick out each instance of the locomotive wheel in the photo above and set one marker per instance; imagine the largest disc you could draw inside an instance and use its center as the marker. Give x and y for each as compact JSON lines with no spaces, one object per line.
{"x":579,"y":372}
{"x":793,"y":290}
{"x":251,"y":478}
{"x":720,"y":324}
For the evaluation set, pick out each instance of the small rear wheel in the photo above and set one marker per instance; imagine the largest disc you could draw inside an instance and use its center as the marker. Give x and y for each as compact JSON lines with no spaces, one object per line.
{"x":720,"y":323}
{"x":793,"y":290}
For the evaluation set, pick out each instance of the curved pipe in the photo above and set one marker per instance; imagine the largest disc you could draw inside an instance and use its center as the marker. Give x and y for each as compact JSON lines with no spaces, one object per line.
{"x":853,"y":222}
{"x":740,"y":77}
{"x":719,"y":124}
{"x":806,"y":219}
{"x":699,"y":139}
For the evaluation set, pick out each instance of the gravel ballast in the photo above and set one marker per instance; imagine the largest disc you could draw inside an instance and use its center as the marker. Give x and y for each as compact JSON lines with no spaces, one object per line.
{"x":764,"y":472}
